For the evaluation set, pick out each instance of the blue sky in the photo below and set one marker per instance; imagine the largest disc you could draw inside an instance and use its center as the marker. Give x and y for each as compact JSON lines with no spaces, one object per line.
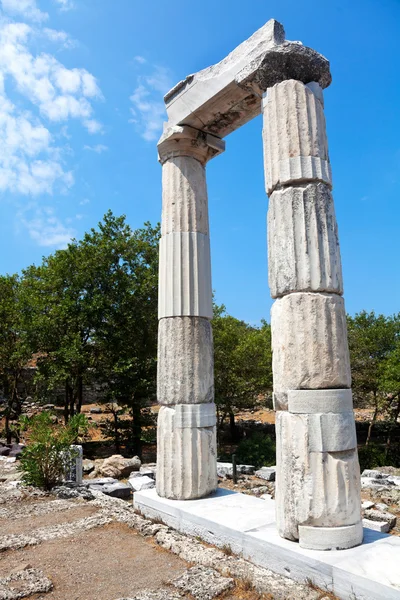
{"x":81,"y":86}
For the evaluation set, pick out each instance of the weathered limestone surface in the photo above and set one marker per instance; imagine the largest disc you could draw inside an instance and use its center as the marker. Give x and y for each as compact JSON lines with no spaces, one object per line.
{"x":186,"y":436}
{"x":224,"y":96}
{"x":182,"y":140}
{"x":185,"y":275}
{"x":316,"y":488}
{"x":319,"y":401}
{"x":309,"y":337}
{"x":185,"y":361}
{"x":296,"y":147}
{"x":332,"y":538}
{"x":185,"y":205}
{"x":303,"y":245}
{"x":186,"y":455}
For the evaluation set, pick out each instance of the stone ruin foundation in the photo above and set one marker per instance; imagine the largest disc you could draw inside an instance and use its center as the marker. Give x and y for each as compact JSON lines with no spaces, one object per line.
{"x":318,"y":477}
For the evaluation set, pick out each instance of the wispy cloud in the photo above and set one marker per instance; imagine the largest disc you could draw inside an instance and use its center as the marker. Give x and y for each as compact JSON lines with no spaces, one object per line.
{"x":27,"y":9}
{"x":139,"y":59}
{"x":34,"y":124}
{"x":65,"y":4}
{"x":59,"y":37}
{"x":98,"y":148}
{"x":44,"y":227}
{"x":148,"y":109}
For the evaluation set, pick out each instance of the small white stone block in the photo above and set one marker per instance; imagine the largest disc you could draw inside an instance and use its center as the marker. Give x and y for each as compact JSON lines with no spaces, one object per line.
{"x":309,"y":342}
{"x":367,"y":504}
{"x":195,"y":415}
{"x":74,"y":464}
{"x":330,"y":538}
{"x":381,"y":526}
{"x":320,"y":401}
{"x":332,"y":432}
{"x":381,"y":515}
{"x":186,"y":457}
{"x":185,"y":367}
{"x":185,"y":276}
{"x":267,"y":473}
{"x":294,"y":133}
{"x":303,"y":243}
{"x":140,"y":483}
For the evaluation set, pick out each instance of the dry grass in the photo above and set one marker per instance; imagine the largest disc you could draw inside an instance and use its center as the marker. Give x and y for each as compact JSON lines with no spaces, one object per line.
{"x":325,"y":594}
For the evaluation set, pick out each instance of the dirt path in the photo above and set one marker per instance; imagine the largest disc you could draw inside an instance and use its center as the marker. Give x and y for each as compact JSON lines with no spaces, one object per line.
{"x":101,"y":564}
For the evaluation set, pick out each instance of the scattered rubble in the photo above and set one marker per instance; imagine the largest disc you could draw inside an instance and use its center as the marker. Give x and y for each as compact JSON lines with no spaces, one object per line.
{"x":225,"y":469}
{"x":139,"y":483}
{"x":267,"y":473}
{"x":23,"y":583}
{"x":203,"y":583}
{"x":115,"y":466}
{"x":381,"y":526}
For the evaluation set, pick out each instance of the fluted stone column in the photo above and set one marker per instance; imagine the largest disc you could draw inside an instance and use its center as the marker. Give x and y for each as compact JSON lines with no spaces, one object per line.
{"x":318,"y":478}
{"x":186,"y":432}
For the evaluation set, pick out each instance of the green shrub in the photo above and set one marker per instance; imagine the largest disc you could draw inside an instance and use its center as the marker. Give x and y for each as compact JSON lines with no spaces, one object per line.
{"x":43,"y":459}
{"x":374,"y":456}
{"x":258,"y":450}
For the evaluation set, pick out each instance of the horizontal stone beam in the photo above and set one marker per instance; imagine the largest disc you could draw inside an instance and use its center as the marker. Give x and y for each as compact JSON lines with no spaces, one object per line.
{"x":225,"y":96}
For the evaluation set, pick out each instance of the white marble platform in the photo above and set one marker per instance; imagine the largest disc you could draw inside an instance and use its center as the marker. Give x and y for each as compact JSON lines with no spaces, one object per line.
{"x":247,"y":524}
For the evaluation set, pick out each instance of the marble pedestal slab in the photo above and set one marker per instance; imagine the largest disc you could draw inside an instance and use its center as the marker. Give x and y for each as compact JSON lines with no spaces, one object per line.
{"x":247,"y":524}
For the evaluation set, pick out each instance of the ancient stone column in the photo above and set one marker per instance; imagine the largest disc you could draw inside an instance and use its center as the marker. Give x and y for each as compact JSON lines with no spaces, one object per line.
{"x":318,"y":477}
{"x":186,"y":432}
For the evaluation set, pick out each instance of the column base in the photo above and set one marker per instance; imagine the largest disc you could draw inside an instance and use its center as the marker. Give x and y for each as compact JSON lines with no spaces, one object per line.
{"x":186,"y":451}
{"x":330,"y":538}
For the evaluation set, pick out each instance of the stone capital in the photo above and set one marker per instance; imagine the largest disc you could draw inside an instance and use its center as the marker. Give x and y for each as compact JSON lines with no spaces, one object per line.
{"x":182,"y":140}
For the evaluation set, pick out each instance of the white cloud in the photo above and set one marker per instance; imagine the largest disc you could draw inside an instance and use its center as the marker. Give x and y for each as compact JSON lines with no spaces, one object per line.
{"x":44,"y":227}
{"x":34,"y":126}
{"x":29,"y":164}
{"x":59,"y":37}
{"x":65,"y":4}
{"x":148,"y":109}
{"x":93,"y":126}
{"x":59,"y":93}
{"x":24,"y":8}
{"x":84,"y":201}
{"x":140,"y":59}
{"x":98,"y":148}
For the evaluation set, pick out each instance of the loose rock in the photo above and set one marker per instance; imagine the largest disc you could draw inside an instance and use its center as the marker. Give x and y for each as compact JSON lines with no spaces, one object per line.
{"x":203,"y":583}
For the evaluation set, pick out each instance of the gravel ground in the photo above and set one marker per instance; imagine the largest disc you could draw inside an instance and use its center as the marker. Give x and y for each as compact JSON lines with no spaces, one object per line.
{"x":101,"y":549}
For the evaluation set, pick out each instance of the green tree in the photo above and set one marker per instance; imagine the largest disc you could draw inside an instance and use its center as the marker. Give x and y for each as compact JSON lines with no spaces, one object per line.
{"x":91,"y":312}
{"x":372,"y":340}
{"x":59,"y":322}
{"x":126,"y":338}
{"x":243,"y":366}
{"x":13,"y":351}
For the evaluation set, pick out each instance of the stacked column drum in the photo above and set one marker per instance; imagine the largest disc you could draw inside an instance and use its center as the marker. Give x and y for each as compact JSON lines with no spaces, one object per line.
{"x":186,"y":433}
{"x":318,"y":478}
